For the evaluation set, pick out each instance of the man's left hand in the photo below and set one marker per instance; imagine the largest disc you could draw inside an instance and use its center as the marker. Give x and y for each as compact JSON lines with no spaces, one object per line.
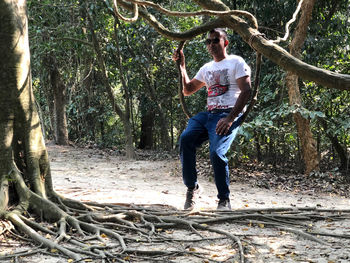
{"x":223,"y":126}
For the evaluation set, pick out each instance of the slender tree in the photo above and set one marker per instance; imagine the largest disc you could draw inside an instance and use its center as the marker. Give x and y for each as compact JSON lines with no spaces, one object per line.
{"x":59,"y":90}
{"x":308,"y":143}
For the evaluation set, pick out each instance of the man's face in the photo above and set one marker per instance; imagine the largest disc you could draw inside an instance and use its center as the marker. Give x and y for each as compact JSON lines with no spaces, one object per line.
{"x":216,"y":45}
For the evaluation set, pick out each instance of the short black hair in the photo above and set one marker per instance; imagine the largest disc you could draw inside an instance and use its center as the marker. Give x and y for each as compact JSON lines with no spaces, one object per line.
{"x":222,"y":32}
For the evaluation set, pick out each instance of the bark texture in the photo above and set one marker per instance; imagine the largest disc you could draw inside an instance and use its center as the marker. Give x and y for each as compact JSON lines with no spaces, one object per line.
{"x":58,"y":89}
{"x":307,"y":142}
{"x":23,"y":150}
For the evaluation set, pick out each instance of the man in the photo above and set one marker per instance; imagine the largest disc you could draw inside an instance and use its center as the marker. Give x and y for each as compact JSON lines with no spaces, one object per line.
{"x":227,"y":79}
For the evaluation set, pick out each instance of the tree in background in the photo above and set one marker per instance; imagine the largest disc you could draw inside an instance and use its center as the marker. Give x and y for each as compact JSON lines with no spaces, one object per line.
{"x":308,"y":143}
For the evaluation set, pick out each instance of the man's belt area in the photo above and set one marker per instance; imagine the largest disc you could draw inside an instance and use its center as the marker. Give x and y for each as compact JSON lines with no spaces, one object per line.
{"x":214,"y":111}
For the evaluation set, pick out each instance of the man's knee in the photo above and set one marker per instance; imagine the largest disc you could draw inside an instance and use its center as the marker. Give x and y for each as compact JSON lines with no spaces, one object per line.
{"x":217,"y":155}
{"x":186,"y":138}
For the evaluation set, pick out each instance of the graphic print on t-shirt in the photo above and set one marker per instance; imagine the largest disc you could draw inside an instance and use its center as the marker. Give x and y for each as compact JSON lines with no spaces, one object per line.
{"x":218,"y":82}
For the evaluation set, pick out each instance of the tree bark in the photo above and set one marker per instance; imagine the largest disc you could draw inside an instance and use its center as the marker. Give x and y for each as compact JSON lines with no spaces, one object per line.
{"x":307,"y":142}
{"x":147,"y":123}
{"x":59,"y":90}
{"x":22,"y":148}
{"x":341,"y":151}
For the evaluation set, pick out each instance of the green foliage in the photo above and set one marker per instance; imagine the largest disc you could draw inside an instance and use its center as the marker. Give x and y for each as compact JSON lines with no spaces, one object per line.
{"x":60,"y":29}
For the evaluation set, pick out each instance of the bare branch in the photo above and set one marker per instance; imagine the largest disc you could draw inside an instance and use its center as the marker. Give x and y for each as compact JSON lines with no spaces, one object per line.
{"x":118,"y":14}
{"x":161,"y":29}
{"x":246,"y":14}
{"x":286,"y":35}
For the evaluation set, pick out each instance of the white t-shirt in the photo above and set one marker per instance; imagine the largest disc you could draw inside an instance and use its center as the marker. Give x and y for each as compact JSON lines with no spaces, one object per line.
{"x":220,"y":80}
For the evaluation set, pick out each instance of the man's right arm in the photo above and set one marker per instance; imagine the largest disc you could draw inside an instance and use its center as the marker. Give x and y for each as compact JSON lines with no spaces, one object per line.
{"x":189,"y":86}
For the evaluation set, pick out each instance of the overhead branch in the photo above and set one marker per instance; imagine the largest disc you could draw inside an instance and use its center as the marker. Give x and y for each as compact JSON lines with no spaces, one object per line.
{"x":161,"y":29}
{"x":118,"y":14}
{"x":277,"y":54}
{"x":251,"y":36}
{"x":286,"y":35}
{"x":246,"y":14}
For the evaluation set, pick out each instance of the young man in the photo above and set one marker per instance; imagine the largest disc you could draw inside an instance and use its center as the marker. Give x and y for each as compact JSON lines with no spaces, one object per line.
{"x":227,"y":79}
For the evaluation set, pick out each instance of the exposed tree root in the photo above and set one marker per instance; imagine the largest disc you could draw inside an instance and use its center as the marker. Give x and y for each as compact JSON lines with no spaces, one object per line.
{"x":124,"y":233}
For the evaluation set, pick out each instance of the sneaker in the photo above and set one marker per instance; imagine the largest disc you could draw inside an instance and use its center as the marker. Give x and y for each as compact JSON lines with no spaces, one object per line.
{"x":224,"y":204}
{"x":191,"y":196}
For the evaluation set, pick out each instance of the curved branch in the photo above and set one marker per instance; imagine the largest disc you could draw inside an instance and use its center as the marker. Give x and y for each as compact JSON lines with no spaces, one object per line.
{"x":246,"y":14}
{"x":181,"y":95}
{"x":277,"y":54}
{"x":118,"y":14}
{"x":253,"y":37}
{"x":180,"y":36}
{"x":279,"y":39}
{"x":254,"y":96}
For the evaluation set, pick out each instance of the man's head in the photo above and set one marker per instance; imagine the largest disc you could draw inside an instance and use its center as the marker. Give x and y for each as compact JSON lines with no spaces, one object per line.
{"x":216,"y":43}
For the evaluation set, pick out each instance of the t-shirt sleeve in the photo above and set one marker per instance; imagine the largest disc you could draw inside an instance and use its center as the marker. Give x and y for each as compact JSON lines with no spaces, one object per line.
{"x":242,"y":69}
{"x":200,"y":75}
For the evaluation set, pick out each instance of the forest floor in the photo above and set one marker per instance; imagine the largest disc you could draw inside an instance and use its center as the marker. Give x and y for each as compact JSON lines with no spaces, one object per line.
{"x":88,"y":174}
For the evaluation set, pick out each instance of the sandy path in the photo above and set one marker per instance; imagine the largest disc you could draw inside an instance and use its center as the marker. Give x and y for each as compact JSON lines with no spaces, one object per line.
{"x":89,"y":176}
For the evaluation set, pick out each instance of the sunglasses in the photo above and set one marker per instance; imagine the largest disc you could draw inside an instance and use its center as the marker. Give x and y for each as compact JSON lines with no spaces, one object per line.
{"x":214,"y":41}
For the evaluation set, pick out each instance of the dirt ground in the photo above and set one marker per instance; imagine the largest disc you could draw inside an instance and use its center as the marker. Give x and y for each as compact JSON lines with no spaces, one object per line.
{"x":93,"y":175}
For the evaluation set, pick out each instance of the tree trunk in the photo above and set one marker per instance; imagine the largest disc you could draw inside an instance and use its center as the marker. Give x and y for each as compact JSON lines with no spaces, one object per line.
{"x":59,"y":90}
{"x":88,"y":118}
{"x":124,"y":115}
{"x":25,"y":177}
{"x":22,"y":148}
{"x":147,"y":123}
{"x":308,"y":143}
{"x":342,"y":152}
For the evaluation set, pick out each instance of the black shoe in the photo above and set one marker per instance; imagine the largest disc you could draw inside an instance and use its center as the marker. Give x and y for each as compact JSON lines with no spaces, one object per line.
{"x":224,"y":204}
{"x":191,"y":196}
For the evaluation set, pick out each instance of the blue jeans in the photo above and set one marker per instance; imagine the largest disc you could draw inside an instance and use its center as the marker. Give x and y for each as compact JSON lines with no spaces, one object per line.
{"x":201,"y":128}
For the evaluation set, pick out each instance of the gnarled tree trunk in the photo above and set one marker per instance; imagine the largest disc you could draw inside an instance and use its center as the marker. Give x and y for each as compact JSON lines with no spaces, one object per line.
{"x":23,"y":152}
